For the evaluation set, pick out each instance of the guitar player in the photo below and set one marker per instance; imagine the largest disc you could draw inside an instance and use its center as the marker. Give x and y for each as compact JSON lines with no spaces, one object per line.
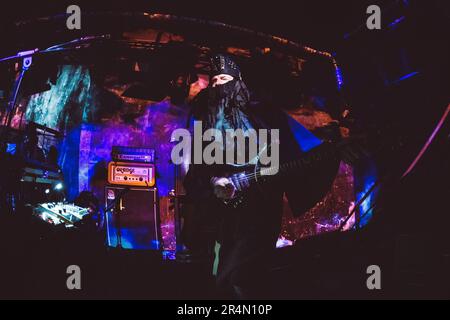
{"x":247,"y":234}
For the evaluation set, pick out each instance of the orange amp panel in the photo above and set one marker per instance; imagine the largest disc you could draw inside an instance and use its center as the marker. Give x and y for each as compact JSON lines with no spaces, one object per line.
{"x":131,"y":174}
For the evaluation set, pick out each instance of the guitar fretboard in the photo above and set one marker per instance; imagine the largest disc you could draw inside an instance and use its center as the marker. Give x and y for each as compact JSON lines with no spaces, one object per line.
{"x":310,"y":158}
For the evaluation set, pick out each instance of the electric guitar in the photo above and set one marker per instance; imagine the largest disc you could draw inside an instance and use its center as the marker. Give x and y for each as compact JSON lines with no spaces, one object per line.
{"x":245,"y":177}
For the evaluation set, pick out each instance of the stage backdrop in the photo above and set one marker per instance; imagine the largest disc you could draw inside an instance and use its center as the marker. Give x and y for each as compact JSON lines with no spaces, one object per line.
{"x":94,"y":116}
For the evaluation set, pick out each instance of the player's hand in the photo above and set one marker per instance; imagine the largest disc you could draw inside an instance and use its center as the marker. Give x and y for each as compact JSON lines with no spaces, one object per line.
{"x":223,"y":188}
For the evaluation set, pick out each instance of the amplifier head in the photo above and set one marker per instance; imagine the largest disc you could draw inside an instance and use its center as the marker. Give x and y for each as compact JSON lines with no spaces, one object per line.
{"x":131,"y":174}
{"x":132,"y":154}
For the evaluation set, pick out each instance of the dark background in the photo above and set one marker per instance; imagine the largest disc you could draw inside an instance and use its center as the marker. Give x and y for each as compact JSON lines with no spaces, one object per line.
{"x":317,"y":23}
{"x":321,"y":23}
{"x":409,"y":237}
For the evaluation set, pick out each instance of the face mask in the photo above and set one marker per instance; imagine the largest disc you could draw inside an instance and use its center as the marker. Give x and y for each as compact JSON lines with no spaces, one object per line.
{"x":221,"y":91}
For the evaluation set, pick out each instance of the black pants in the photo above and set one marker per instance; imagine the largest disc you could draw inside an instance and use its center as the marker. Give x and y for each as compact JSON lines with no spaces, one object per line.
{"x":248,"y":237}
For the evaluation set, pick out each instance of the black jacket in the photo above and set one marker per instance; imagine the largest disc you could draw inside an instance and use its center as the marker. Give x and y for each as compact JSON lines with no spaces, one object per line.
{"x":303,"y":189}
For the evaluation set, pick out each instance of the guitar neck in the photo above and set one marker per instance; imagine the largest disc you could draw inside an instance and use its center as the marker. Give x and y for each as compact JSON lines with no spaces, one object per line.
{"x":312,"y":157}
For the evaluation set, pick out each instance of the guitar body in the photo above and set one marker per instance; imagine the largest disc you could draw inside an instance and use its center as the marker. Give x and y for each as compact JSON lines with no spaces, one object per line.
{"x":243,"y":178}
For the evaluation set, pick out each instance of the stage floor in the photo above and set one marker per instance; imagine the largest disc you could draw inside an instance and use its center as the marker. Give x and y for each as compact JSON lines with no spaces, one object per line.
{"x":329,"y":266}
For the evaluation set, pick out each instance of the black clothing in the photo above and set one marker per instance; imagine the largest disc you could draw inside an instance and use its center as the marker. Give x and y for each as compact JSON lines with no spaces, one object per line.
{"x":248,"y":234}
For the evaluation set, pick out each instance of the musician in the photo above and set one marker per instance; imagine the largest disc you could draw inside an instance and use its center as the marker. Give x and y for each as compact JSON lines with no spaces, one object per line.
{"x":31,"y":149}
{"x":247,"y":234}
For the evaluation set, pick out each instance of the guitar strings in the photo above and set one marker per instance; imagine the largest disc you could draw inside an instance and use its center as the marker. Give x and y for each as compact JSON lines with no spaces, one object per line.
{"x":260,"y":172}
{"x":298,"y":162}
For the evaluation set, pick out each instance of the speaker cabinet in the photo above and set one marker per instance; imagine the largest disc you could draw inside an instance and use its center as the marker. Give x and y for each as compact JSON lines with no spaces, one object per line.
{"x":137,"y":224}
